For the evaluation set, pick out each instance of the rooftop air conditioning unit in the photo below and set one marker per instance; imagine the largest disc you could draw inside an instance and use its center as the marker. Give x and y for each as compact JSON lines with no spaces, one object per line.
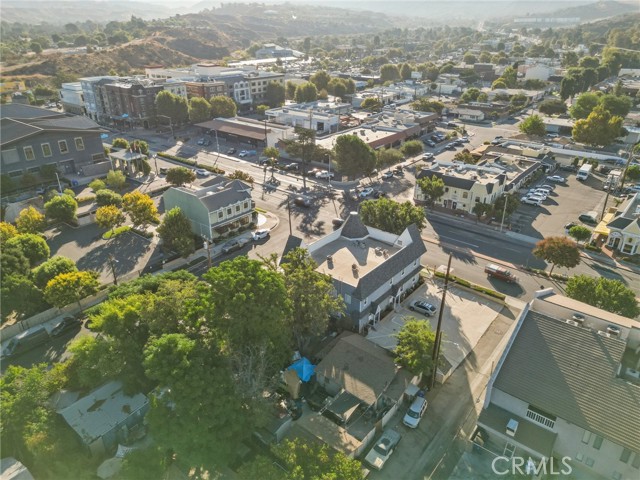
{"x":577,"y":317}
{"x":604,"y":334}
{"x":613,"y":330}
{"x":572,"y":322}
{"x":512,"y":427}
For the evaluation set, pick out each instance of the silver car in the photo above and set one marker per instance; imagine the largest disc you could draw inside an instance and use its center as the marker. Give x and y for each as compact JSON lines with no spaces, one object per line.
{"x":423,"y":307}
{"x":383,"y":449}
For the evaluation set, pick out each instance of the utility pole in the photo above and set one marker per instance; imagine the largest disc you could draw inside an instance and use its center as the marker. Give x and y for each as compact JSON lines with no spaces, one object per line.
{"x":436,"y":343}
{"x":208,"y":243}
{"x":112,"y":262}
{"x":504,"y":211}
{"x":289,"y":212}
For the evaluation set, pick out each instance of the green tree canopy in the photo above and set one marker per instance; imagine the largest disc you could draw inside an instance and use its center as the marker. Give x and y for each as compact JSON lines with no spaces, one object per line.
{"x":600,"y":128}
{"x":199,"y":110}
{"x":19,"y":295}
{"x":116,"y":179}
{"x":109,"y":217}
{"x":415,"y":346}
{"x":552,"y":107}
{"x":7,"y":231}
{"x":580,"y":233}
{"x":140,"y":208}
{"x":432,"y":188}
{"x":617,"y":105}
{"x":372,"y":104}
{"x":353,"y":156}
{"x":275,"y":94}
{"x":173,"y":106}
{"x":391,"y":216}
{"x":558,"y":251}
{"x":175,"y":232}
{"x":320,"y":79}
{"x":469,"y":58}
{"x":389,"y":73}
{"x":13,"y":261}
{"x":107,"y":197}
{"x":388,"y":157}
{"x":306,"y":92}
{"x":120,"y":143}
{"x":61,"y":208}
{"x":584,"y":105}
{"x":223,"y":106}
{"x":427,"y":105}
{"x":412,"y":148}
{"x":610,"y":295}
{"x":178,"y":176}
{"x":52,"y":268}
{"x":533,"y":125}
{"x":30,"y":220}
{"x":470,"y":95}
{"x":67,"y":288}
{"x":34,"y":247}
{"x":97,"y":185}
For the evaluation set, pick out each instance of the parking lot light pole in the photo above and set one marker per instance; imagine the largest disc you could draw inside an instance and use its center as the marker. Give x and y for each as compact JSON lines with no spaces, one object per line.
{"x":112,"y":262}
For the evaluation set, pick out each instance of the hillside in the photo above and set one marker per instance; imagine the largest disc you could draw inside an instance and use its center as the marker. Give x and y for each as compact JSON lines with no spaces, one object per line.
{"x":598,"y":10}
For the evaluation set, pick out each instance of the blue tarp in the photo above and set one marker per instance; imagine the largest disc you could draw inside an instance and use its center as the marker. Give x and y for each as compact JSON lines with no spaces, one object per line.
{"x":303,"y":368}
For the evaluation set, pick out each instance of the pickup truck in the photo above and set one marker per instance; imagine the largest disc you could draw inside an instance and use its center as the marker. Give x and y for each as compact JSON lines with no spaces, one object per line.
{"x":500,"y":273}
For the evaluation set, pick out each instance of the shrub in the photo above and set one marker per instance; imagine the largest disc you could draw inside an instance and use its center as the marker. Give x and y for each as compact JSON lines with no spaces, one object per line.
{"x":192,"y":163}
{"x":97,"y":185}
{"x":86,"y":199}
{"x":108,"y":197}
{"x":115,"y":232}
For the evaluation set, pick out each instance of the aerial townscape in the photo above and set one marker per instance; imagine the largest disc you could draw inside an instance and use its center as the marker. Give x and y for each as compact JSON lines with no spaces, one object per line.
{"x":319,"y":240}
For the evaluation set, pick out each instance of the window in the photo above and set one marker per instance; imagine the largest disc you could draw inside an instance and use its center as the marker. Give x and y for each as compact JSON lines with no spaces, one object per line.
{"x":626,"y":454}
{"x":586,"y":437}
{"x":33,"y":170}
{"x":347,"y":299}
{"x":237,"y":208}
{"x":28,"y":153}
{"x":589,"y":462}
{"x":579,"y":457}
{"x":446,"y":189}
{"x":636,"y":461}
{"x":96,"y":157}
{"x":229,"y":211}
{"x":79,"y":143}
{"x":15,"y":173}
{"x":220,"y":215}
{"x":46,"y":149}
{"x":62,"y":146}
{"x":465,"y":194}
{"x":245,"y":205}
{"x":597,"y":442}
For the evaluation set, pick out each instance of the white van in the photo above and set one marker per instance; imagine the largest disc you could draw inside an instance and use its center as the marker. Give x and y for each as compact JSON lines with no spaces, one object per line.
{"x":416,"y":411}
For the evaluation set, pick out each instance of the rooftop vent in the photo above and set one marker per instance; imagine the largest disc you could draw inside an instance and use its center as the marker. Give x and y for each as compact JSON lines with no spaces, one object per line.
{"x":605,"y":334}
{"x":578,"y":318}
{"x":613,"y":330}
{"x":512,"y":427}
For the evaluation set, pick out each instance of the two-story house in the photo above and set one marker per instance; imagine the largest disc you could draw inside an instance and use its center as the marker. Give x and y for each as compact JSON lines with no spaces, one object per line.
{"x":624,"y":229}
{"x":32,"y":137}
{"x":220,"y":207}
{"x":566,"y":392}
{"x":370,"y":269}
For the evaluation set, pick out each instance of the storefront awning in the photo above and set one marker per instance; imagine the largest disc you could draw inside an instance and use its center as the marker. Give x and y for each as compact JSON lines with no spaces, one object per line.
{"x":602,"y":229}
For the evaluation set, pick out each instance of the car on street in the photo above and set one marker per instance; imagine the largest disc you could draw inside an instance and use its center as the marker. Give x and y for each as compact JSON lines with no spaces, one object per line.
{"x":233,"y":245}
{"x":387,"y":175}
{"x":557,"y":179}
{"x":243,"y":153}
{"x":427,"y":156}
{"x":424,"y":307}
{"x":366,"y":192}
{"x":590,"y":218}
{"x":324,"y":174}
{"x":201,"y":172}
{"x":313,"y":172}
{"x":260,"y":234}
{"x":383,"y":449}
{"x":415,"y":412}
{"x":302,"y":202}
{"x":465,"y":139}
{"x":25,"y":342}
{"x":67,"y":323}
{"x":430,"y":143}
{"x":292,"y":166}
{"x":399,"y":171}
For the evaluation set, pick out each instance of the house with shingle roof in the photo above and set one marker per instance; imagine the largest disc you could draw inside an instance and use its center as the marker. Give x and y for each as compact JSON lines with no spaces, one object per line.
{"x":567,"y":387}
{"x":371,"y":269}
{"x":624,"y":229}
{"x":32,"y":137}
{"x":223,"y":206}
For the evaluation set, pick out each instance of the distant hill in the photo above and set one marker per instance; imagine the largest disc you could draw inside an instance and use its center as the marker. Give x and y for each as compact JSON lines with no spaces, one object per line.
{"x":598,"y":10}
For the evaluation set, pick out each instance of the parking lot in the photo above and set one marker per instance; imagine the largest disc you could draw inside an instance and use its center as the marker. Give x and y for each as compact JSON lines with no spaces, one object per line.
{"x":563,"y":205}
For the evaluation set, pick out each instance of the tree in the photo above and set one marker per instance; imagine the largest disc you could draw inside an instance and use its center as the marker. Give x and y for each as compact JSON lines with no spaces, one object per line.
{"x":97,"y":185}
{"x":67,"y":288}
{"x":518,"y":101}
{"x":617,"y":105}
{"x":149,"y":462}
{"x":175,"y":232}
{"x":465,"y":157}
{"x":479,"y":209}
{"x":580,"y":233}
{"x":30,"y":220}
{"x":469,"y":95}
{"x":140,"y":208}
{"x":337,"y":87}
{"x":34,"y":247}
{"x":271,"y":152}
{"x":388,"y":157}
{"x":391,"y":216}
{"x":569,"y":59}
{"x":353,"y":156}
{"x":7,"y":231}
{"x":306,"y":92}
{"x":432,"y":188}
{"x":120,"y":143}
{"x":173,"y":106}
{"x":412,"y":148}
{"x":116,"y":179}
{"x":416,"y":341}
{"x":372,"y":104}
{"x":61,"y":208}
{"x":311,"y":294}
{"x":223,"y":106}
{"x":558,"y":251}
{"x":584,"y":105}
{"x":469,"y":59}
{"x":568,"y":87}
{"x":13,"y":261}
{"x":405,"y":71}
{"x":109,"y":217}
{"x":610,"y":295}
{"x":633,"y":173}
{"x":553,"y":107}
{"x":241,"y":175}
{"x":304,"y":148}
{"x":178,"y":176}
{"x":107,"y":197}
{"x":35,"y":47}
{"x":199,"y":110}
{"x":19,"y":295}
{"x":498,"y":84}
{"x":533,"y":125}
{"x":290,"y":90}
{"x":426,"y":105}
{"x":320,"y":79}
{"x":389,"y":73}
{"x":274,"y":94}
{"x":499,"y":209}
{"x":52,"y":268}
{"x":600,"y":128}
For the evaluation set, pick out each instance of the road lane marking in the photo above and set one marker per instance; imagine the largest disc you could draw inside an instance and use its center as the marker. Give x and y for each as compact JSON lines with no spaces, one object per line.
{"x":459,"y":241}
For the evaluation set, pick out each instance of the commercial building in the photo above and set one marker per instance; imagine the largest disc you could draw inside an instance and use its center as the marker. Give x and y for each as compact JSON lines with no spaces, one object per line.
{"x":71,"y":98}
{"x":624,"y":229}
{"x":321,"y":116}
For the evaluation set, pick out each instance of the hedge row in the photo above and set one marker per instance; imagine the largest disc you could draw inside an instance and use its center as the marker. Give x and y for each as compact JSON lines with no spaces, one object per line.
{"x":473,"y":286}
{"x":86,"y":199}
{"x":191,"y":163}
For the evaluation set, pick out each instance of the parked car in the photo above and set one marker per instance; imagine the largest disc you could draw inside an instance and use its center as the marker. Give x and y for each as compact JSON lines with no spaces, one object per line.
{"x":570,"y":225}
{"x":292,"y":166}
{"x":399,"y":171}
{"x":261,"y":233}
{"x":451,"y":146}
{"x":415,"y":412}
{"x":324,"y":174}
{"x":427,"y":156}
{"x":500,"y":273}
{"x":25,"y":342}
{"x":383,"y":449}
{"x":430,"y":143}
{"x":313,"y":172}
{"x":231,"y":151}
{"x":67,"y":323}
{"x":233,"y":245}
{"x":379,"y":194}
{"x":568,"y":168}
{"x":337,"y":222}
{"x":465,"y":139}
{"x":550,"y":187}
{"x":387,"y":175}
{"x":366,"y":192}
{"x":207,"y":142}
{"x":201,"y":141}
{"x":423,"y":307}
{"x":531,"y":201}
{"x":302,"y":202}
{"x":557,"y":179}
{"x":201,"y":172}
{"x":243,"y":153}
{"x":590,"y":218}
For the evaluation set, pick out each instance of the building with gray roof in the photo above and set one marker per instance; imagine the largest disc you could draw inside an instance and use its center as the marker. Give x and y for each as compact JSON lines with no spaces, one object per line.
{"x":221,"y":207}
{"x":624,"y":229}
{"x":567,"y":386}
{"x":371,"y":269}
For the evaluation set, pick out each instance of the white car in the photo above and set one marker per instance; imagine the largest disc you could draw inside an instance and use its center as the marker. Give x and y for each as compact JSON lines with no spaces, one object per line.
{"x":427,"y":156}
{"x":383,"y":449}
{"x":201,"y":172}
{"x":324,"y":174}
{"x":537,"y":193}
{"x":366,"y":192}
{"x":415,"y":412}
{"x":260,"y":234}
{"x":531,"y":201}
{"x":557,"y":179}
{"x":243,"y":153}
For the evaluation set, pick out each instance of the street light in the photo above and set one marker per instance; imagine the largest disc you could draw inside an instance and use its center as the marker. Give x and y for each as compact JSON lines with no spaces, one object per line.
{"x":112,"y":262}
